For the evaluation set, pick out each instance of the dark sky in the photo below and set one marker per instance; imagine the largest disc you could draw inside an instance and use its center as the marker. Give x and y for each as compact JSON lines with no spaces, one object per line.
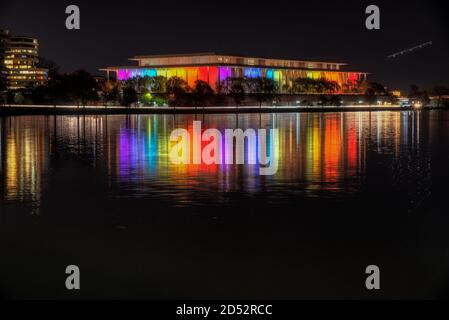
{"x":113,"y":31}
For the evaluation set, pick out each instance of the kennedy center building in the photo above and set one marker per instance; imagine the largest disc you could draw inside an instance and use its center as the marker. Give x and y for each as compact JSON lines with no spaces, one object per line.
{"x":215,"y":68}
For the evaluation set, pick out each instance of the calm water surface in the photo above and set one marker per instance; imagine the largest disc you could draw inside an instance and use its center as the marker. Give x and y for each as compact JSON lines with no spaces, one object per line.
{"x":352,"y":189}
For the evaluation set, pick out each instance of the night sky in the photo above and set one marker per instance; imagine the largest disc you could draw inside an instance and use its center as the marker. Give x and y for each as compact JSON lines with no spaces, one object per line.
{"x":111,"y":32}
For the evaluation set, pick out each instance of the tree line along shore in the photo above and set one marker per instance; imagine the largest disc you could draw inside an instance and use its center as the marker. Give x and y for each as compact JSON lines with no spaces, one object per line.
{"x":80,"y":88}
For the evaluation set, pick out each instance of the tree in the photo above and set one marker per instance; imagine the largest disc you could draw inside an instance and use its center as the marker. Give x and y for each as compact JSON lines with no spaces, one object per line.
{"x":439,"y":92}
{"x":372,"y":87}
{"x":51,"y":66}
{"x":2,"y":84}
{"x":235,"y":88}
{"x":307,"y":85}
{"x":177,"y":88}
{"x":19,"y":98}
{"x":321,"y":85}
{"x":417,"y":94}
{"x":159,"y":100}
{"x":371,"y":90}
{"x":110,"y":92}
{"x":302,"y":85}
{"x":331,"y":87}
{"x":83,"y":87}
{"x":55,"y":90}
{"x":58,"y":88}
{"x":414,"y":91}
{"x":262,"y":89}
{"x":39,"y":94}
{"x":157,"y":87}
{"x":370,"y":96}
{"x":129,"y":96}
{"x":288,"y":88}
{"x":139,"y":84}
{"x":145,"y":98}
{"x":157,"y":84}
{"x":201,"y":92}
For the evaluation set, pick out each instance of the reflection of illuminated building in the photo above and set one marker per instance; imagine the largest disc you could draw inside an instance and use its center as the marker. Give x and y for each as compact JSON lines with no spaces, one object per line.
{"x":317,"y":149}
{"x":214,"y":68}
{"x":332,"y":148}
{"x":326,"y":152}
{"x":25,"y":152}
{"x":316,"y":152}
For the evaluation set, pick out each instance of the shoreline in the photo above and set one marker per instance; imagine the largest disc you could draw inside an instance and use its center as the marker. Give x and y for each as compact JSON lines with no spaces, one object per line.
{"x":95,"y":110}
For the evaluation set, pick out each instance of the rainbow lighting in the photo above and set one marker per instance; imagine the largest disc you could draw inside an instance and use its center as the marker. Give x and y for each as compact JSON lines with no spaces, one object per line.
{"x":214,"y":68}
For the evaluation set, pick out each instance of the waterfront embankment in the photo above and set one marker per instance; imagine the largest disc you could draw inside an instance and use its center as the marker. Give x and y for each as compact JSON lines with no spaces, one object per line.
{"x":68,"y":110}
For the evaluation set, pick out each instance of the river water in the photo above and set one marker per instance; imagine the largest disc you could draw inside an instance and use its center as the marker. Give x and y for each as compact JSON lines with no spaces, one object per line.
{"x":352,"y":189}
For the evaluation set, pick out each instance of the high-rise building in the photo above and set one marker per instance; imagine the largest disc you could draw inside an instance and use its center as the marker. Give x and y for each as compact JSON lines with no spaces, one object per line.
{"x":4,"y":40}
{"x":21,"y":62}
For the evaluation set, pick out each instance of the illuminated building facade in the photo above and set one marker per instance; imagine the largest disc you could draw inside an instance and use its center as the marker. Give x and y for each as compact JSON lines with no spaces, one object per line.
{"x":214,"y":68}
{"x":4,"y":40}
{"x":21,"y":62}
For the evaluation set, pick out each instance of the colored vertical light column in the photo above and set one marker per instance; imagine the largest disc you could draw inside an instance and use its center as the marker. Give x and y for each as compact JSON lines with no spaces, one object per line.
{"x":253,"y":72}
{"x":192,"y":76}
{"x":352,"y":149}
{"x":213,"y":77}
{"x":224,"y":72}
{"x":277,"y":76}
{"x":181,"y":73}
{"x":152,"y":155}
{"x":161,"y":72}
{"x":152,"y":73}
{"x":123,"y":74}
{"x":332,"y":145}
{"x":171,"y":73}
{"x":352,"y":76}
{"x":203,"y":74}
